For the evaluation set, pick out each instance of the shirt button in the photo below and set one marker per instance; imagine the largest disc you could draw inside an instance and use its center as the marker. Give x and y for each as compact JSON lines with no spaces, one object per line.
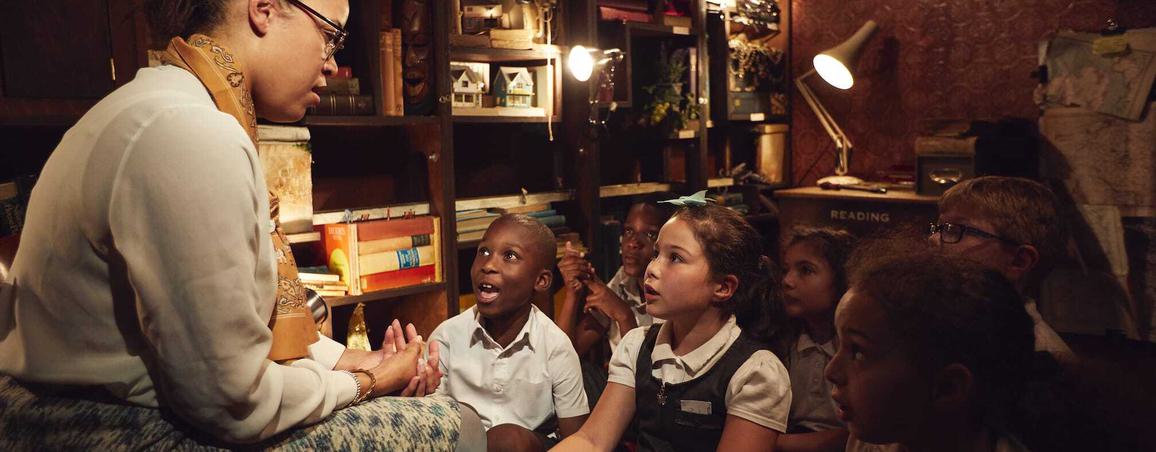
{"x":498,"y":389}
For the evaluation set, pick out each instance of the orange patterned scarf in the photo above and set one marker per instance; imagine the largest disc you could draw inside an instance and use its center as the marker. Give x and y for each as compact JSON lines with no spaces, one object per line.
{"x":292,"y":323}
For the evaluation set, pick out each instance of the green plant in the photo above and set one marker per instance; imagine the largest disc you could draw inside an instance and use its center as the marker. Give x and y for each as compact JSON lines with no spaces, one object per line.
{"x":667,"y":107}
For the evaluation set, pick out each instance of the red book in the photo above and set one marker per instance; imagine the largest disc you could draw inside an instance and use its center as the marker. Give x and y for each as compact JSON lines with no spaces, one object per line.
{"x":617,"y":14}
{"x":399,"y":278}
{"x":381,"y":229}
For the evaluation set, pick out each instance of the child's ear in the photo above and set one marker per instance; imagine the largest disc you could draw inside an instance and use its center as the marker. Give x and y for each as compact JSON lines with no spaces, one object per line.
{"x":953,"y":388}
{"x":544,"y":280}
{"x":725,"y":288}
{"x":1024,"y":259}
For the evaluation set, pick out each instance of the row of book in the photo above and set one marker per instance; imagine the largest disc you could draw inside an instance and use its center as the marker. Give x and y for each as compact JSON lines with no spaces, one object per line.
{"x":472,"y":224}
{"x":384,"y":254}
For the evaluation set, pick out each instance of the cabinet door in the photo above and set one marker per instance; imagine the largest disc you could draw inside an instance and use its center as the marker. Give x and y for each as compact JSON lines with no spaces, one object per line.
{"x":56,"y":49}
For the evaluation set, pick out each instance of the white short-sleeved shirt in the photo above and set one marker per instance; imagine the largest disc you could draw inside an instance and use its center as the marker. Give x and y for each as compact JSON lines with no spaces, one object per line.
{"x":628,"y":289}
{"x":524,"y":383}
{"x":759,"y":391}
{"x":811,"y":403}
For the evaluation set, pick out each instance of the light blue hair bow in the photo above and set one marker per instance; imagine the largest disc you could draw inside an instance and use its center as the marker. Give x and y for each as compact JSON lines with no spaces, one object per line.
{"x":696,"y":200}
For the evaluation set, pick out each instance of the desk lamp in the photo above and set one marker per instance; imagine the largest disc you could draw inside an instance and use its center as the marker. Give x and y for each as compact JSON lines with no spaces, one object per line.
{"x":834,"y":66}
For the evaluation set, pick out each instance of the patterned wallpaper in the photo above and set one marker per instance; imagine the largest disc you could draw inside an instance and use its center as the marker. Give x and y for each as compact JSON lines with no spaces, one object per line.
{"x":929,"y":59}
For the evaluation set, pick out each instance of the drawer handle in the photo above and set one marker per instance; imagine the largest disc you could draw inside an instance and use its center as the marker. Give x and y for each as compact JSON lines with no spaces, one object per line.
{"x":945,"y":176}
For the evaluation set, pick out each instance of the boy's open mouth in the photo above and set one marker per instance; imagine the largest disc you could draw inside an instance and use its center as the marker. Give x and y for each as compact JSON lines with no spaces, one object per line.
{"x":487,"y":292}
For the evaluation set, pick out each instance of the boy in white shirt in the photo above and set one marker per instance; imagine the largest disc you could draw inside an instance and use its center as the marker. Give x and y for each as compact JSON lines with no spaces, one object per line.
{"x":504,"y":357}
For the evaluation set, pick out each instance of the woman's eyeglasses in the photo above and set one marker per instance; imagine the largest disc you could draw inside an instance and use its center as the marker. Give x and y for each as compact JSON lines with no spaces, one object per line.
{"x":334,"y":38}
{"x":953,"y":233}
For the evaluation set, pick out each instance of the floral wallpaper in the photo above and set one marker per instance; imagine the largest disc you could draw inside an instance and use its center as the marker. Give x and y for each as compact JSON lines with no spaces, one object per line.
{"x":929,"y":59}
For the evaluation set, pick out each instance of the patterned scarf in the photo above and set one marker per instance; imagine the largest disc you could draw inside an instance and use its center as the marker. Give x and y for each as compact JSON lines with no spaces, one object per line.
{"x":222,"y":74}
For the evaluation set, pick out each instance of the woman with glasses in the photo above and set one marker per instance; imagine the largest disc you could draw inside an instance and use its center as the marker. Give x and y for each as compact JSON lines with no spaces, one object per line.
{"x":154,"y":301}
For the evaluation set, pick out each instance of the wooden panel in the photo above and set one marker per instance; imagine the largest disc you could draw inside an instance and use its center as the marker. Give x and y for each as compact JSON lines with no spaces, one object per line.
{"x":40,"y":38}
{"x":863,"y":214}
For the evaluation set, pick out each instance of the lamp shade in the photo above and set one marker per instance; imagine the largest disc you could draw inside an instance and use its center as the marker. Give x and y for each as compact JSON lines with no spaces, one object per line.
{"x":581,"y":63}
{"x":835,"y":64}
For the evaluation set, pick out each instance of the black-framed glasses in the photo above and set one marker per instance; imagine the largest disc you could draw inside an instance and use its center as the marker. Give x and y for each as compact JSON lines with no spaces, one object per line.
{"x":334,"y":39}
{"x":953,"y":233}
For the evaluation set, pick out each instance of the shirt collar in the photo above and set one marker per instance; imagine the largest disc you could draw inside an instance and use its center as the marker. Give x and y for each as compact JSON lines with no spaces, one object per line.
{"x":698,"y":358}
{"x":627,"y":288}
{"x":523,"y":338}
{"x":805,"y":343}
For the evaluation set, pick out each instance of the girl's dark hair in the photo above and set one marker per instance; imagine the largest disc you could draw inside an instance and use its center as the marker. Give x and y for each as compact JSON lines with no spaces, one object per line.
{"x":665,"y":209}
{"x":733,"y":247}
{"x":171,"y":18}
{"x":835,"y":245}
{"x":951,"y":310}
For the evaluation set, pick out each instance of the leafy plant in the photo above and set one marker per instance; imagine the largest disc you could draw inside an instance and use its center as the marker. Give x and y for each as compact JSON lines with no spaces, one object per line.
{"x":668,"y":105}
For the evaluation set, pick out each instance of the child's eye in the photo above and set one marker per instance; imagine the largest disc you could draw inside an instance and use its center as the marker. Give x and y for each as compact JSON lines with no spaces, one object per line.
{"x":856,"y":354}
{"x":483,"y":251}
{"x":674,"y":257}
{"x":510,"y":256}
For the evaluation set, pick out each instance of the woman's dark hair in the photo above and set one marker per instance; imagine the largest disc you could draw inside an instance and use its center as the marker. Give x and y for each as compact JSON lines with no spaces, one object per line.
{"x":171,"y":18}
{"x":733,"y":247}
{"x":835,"y":245}
{"x":951,"y":310}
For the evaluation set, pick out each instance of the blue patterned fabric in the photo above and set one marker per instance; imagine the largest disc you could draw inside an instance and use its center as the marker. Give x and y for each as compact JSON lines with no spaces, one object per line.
{"x":31,"y":419}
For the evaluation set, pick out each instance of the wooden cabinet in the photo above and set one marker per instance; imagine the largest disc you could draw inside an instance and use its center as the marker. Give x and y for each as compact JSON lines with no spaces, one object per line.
{"x":58,"y":56}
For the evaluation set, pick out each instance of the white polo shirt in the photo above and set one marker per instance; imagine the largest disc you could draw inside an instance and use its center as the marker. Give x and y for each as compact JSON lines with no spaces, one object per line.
{"x":525,"y":383}
{"x":759,"y":391}
{"x":811,"y":403}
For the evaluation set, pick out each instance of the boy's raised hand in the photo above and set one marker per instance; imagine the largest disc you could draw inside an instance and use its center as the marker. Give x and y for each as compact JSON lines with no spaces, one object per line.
{"x":604,"y":300}
{"x":574,"y":268}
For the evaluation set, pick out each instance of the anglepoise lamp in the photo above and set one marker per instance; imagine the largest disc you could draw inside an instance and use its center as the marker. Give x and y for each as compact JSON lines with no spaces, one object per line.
{"x":834,"y":65}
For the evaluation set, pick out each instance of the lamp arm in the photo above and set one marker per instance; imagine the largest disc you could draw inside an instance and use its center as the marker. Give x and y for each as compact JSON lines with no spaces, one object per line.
{"x":842,"y":143}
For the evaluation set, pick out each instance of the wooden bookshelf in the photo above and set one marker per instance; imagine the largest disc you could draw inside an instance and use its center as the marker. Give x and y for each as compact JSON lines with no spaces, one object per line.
{"x":368,"y":121}
{"x":539,"y":52}
{"x":386,"y":295}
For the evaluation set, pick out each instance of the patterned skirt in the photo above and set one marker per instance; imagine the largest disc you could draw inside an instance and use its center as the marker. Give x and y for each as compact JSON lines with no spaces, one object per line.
{"x":31,"y":419}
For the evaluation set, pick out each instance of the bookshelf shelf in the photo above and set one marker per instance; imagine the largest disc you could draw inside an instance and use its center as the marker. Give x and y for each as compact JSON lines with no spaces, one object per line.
{"x":540,"y":52}
{"x":368,"y":121}
{"x":386,"y":294}
{"x":372,"y":213}
{"x":470,"y":119}
{"x":509,"y":201}
{"x":641,"y":188}
{"x":646,"y":30}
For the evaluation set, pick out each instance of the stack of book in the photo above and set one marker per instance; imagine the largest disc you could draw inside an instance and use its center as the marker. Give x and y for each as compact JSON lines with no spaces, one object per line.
{"x":392,"y":101}
{"x":323,"y":281}
{"x":384,"y":254}
{"x":732,"y":200}
{"x":472,"y":224}
{"x":342,"y":96}
{"x":624,"y":11}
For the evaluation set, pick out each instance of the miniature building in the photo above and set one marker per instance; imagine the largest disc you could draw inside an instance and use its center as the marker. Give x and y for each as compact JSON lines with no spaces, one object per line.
{"x":468,"y":87}
{"x":513,"y":87}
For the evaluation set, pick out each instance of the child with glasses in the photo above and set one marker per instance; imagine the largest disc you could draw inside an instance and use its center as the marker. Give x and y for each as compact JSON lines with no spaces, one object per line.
{"x":1010,"y":224}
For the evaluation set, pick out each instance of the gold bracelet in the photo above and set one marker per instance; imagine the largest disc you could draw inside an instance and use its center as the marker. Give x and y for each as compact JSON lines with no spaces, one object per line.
{"x":372,"y":384}
{"x":357,"y":392}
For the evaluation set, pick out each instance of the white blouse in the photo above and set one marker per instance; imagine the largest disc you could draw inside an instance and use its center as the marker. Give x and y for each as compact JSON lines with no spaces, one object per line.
{"x":146,"y":267}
